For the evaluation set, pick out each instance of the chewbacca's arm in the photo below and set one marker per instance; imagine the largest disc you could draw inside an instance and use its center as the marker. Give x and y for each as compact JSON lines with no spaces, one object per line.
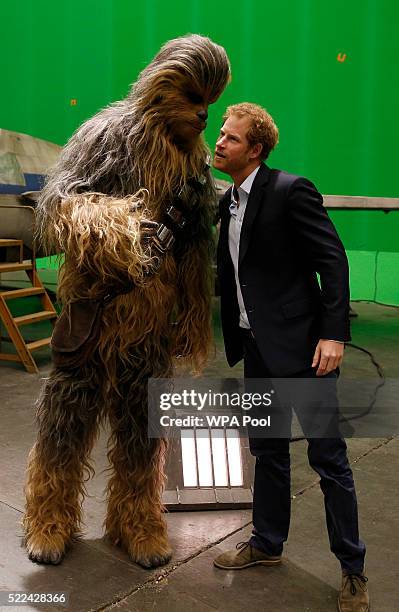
{"x":193,"y":323}
{"x":102,"y":236}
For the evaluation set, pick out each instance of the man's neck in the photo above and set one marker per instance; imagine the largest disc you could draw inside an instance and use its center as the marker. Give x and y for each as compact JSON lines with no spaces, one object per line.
{"x":239,"y":177}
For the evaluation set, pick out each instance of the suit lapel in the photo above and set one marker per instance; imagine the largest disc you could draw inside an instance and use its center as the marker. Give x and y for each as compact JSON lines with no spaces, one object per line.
{"x":254,"y":201}
{"x":225,"y":221}
{"x":225,"y":203}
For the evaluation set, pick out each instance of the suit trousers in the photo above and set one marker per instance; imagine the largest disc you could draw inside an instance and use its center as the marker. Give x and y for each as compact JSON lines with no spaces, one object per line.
{"x":272,"y":494}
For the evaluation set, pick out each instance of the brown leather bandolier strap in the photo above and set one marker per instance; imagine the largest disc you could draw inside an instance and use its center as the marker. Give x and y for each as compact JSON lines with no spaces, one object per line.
{"x":176,"y":213}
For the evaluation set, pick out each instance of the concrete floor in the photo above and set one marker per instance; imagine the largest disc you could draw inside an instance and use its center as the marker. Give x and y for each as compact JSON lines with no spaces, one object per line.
{"x":98,"y":576}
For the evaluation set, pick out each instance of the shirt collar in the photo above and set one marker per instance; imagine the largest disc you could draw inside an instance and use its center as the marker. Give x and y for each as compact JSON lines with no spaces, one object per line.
{"x":246,"y":185}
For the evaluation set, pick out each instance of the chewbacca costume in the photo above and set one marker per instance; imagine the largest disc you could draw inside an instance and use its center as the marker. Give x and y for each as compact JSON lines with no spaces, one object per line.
{"x":129,"y":203}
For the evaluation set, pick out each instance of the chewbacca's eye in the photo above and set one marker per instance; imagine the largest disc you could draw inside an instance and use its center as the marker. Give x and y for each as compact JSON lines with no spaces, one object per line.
{"x":194,"y":97}
{"x":157,"y":100}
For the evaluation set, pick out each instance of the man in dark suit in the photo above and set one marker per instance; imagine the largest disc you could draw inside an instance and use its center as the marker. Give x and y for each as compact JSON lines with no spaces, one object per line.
{"x":275,"y":235}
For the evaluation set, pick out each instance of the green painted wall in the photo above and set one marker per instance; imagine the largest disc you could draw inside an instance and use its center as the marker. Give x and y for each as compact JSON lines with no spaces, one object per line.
{"x":337,"y":119}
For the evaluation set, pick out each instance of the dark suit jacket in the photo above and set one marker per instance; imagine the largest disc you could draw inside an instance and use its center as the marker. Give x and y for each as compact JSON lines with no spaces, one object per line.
{"x":286,"y":237}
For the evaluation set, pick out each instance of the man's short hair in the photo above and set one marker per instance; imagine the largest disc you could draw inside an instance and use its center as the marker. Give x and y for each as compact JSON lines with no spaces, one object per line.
{"x":262,"y":128}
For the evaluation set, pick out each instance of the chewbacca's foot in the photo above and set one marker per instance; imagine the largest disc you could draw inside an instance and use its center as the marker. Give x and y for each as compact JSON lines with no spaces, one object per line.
{"x":150,"y":553}
{"x":48,"y":550}
{"x":45,"y":555}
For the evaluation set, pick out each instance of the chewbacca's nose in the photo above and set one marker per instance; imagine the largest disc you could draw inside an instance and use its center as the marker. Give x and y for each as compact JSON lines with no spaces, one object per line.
{"x":203,"y":114}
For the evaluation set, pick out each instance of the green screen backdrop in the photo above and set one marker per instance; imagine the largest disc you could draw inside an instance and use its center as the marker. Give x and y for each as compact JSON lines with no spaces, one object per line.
{"x":326,"y":71}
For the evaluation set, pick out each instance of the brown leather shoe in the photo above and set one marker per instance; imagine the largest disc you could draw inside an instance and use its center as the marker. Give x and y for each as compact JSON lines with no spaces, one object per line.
{"x":354,"y":596}
{"x":245,"y":556}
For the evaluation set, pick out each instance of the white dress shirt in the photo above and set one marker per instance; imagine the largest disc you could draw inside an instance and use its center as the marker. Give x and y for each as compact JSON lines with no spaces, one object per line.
{"x":237,"y":211}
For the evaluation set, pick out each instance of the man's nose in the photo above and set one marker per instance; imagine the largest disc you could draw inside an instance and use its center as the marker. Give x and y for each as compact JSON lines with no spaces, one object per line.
{"x":203,"y":114}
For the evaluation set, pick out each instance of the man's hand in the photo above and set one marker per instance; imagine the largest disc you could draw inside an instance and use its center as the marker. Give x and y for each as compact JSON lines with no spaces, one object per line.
{"x":328,"y":356}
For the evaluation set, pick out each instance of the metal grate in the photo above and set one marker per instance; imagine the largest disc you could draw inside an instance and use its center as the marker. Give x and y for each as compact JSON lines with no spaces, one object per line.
{"x":209,"y":469}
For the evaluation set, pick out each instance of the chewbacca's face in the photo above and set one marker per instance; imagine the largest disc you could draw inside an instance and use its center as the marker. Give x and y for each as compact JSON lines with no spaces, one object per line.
{"x":191,"y":122}
{"x":176,"y":88}
{"x":183,"y":109}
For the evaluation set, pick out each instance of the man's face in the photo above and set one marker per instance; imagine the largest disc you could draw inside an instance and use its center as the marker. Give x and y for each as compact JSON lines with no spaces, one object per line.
{"x":233,"y":153}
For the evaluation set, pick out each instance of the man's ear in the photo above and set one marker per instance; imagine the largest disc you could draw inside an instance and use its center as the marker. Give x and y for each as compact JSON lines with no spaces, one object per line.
{"x":256,"y":150}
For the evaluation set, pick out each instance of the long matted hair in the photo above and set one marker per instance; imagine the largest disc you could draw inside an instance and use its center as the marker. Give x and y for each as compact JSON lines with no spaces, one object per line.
{"x":125,"y":165}
{"x":126,"y":156}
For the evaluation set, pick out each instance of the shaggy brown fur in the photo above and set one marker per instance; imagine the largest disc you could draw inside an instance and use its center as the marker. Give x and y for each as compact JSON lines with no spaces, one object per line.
{"x":121,"y":167}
